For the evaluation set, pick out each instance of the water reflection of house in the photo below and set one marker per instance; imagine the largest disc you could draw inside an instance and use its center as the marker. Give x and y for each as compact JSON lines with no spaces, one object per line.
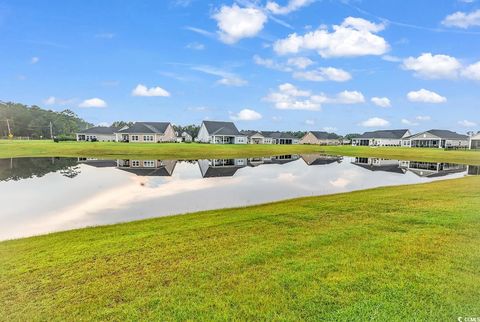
{"x":433,"y":169}
{"x":320,"y":159}
{"x":474,"y":170}
{"x":98,"y":163}
{"x":220,"y":167}
{"x":279,"y":159}
{"x":160,"y":168}
{"x":377,"y":164}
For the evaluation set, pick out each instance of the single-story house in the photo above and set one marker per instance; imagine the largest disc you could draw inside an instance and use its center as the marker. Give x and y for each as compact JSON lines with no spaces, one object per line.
{"x":217,"y":132}
{"x":475,"y":142}
{"x":97,"y":133}
{"x":254,"y":137}
{"x":186,"y":137}
{"x":381,"y":138}
{"x":321,"y":138}
{"x":276,"y":137}
{"x":147,"y":132}
{"x":436,"y":139}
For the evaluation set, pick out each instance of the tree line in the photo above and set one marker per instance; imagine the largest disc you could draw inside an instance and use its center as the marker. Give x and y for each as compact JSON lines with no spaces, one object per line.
{"x":34,"y":122}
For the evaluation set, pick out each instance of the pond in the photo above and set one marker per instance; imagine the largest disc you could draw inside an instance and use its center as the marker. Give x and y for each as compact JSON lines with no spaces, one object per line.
{"x":42,"y":195}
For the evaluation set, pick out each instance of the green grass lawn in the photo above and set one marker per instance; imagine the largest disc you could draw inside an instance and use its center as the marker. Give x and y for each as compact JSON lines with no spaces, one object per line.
{"x":198,"y":151}
{"x":386,"y":254}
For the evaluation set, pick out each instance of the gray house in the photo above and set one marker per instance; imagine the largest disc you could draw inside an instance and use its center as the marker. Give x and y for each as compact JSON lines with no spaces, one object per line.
{"x":217,"y":132}
{"x":97,"y":133}
{"x":144,"y":132}
{"x":437,"y":139}
{"x":381,"y":138}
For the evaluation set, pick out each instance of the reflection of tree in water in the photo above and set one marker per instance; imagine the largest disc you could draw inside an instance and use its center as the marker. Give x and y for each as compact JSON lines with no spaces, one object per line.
{"x":23,"y":168}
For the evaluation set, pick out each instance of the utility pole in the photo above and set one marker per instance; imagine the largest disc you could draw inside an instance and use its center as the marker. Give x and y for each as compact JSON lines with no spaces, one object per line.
{"x":51,"y":130}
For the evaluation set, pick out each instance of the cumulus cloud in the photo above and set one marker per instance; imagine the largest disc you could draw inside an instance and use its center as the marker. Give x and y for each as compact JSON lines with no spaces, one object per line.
{"x":289,"y":97}
{"x":323,"y":74}
{"x":425,"y":96}
{"x":381,"y":101}
{"x":375,"y":122}
{"x":52,"y":100}
{"x":93,"y":102}
{"x":246,"y":115}
{"x":467,"y":123}
{"x":292,"y":5}
{"x":472,"y":71}
{"x":433,"y":66}
{"x":142,"y":90}
{"x":408,"y":122}
{"x":462,"y":19}
{"x":270,"y":63}
{"x":354,"y":37}
{"x":299,"y":62}
{"x":235,"y":23}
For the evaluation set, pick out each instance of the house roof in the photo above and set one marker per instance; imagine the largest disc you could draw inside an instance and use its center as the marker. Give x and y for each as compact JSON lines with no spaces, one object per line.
{"x":99,"y":130}
{"x":383,"y":134}
{"x":148,"y":172}
{"x":277,"y":135}
{"x":385,"y":167}
{"x":146,"y":127}
{"x":221,"y":128}
{"x":250,"y":133}
{"x":324,"y":135}
{"x":443,"y":134}
{"x":476,"y":136}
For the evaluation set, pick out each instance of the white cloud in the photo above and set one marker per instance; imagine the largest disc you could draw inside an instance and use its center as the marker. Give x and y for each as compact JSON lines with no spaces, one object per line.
{"x":462,"y":19}
{"x":472,"y":71}
{"x":232,"y":81}
{"x":52,"y":100}
{"x":93,"y":102}
{"x":246,"y":115}
{"x":354,"y":37}
{"x":433,"y":66}
{"x":292,"y":5}
{"x":310,"y":122}
{"x":329,"y":129}
{"x":289,"y":97}
{"x":142,"y":90}
{"x":300,"y":62}
{"x":467,"y":123}
{"x":324,"y":74}
{"x":407,"y":122}
{"x":423,"y":118}
{"x":425,"y":96}
{"x":270,"y":63}
{"x":235,"y":23}
{"x":375,"y":122}
{"x":34,"y":60}
{"x":195,"y":46}
{"x":200,"y":31}
{"x":226,"y":78}
{"x":381,"y":101}
{"x":392,"y":59}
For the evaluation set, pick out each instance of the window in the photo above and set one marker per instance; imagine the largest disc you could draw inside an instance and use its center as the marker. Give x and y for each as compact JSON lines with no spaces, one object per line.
{"x":134,"y":137}
{"x":135,"y":163}
{"x":148,"y":138}
{"x":149,"y":164}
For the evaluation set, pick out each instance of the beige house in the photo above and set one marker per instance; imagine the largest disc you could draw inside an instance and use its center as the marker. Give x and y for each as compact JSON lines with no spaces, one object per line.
{"x":147,"y":132}
{"x":321,"y":138}
{"x":475,"y":142}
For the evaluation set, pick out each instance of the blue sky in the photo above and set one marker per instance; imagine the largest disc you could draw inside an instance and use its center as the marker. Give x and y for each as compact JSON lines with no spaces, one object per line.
{"x":343,"y":66}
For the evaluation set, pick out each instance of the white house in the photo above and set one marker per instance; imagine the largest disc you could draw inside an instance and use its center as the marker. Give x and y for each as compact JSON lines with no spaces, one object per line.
{"x":216,"y":132}
{"x":321,"y":138}
{"x":147,"y":132}
{"x":97,"y":133}
{"x":254,"y":137}
{"x":276,"y":137}
{"x":381,"y":138}
{"x":437,"y":139}
{"x":475,"y":142}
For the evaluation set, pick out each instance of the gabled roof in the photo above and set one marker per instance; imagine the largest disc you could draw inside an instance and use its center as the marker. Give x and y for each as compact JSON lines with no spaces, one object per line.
{"x":146,"y":127}
{"x":277,"y":135}
{"x":250,"y":133}
{"x":476,"y":136}
{"x":443,"y":134}
{"x":221,"y":128}
{"x":99,"y":130}
{"x":324,"y":135}
{"x":148,"y":172}
{"x":383,"y":134}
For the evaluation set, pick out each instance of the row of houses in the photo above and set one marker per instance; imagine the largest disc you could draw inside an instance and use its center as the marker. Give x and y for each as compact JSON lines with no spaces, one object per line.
{"x":216,"y":132}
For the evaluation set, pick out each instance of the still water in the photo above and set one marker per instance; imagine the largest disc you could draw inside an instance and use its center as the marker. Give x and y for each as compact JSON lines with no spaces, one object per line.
{"x":41,"y":195}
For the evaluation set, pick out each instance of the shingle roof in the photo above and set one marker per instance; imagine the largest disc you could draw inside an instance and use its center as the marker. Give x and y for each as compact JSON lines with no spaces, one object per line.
{"x":383,"y":134}
{"x":99,"y":130}
{"x":277,"y":135}
{"x":221,"y":128}
{"x":446,"y":134}
{"x":324,"y":135}
{"x":250,"y":133}
{"x":146,"y":127}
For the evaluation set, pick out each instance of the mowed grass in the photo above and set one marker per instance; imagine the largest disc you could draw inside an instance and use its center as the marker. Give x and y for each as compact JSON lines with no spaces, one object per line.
{"x":398,"y":253}
{"x":191,"y":151}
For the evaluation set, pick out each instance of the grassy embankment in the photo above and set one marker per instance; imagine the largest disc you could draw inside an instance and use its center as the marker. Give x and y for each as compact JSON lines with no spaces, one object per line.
{"x":396,"y":253}
{"x":198,"y":151}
